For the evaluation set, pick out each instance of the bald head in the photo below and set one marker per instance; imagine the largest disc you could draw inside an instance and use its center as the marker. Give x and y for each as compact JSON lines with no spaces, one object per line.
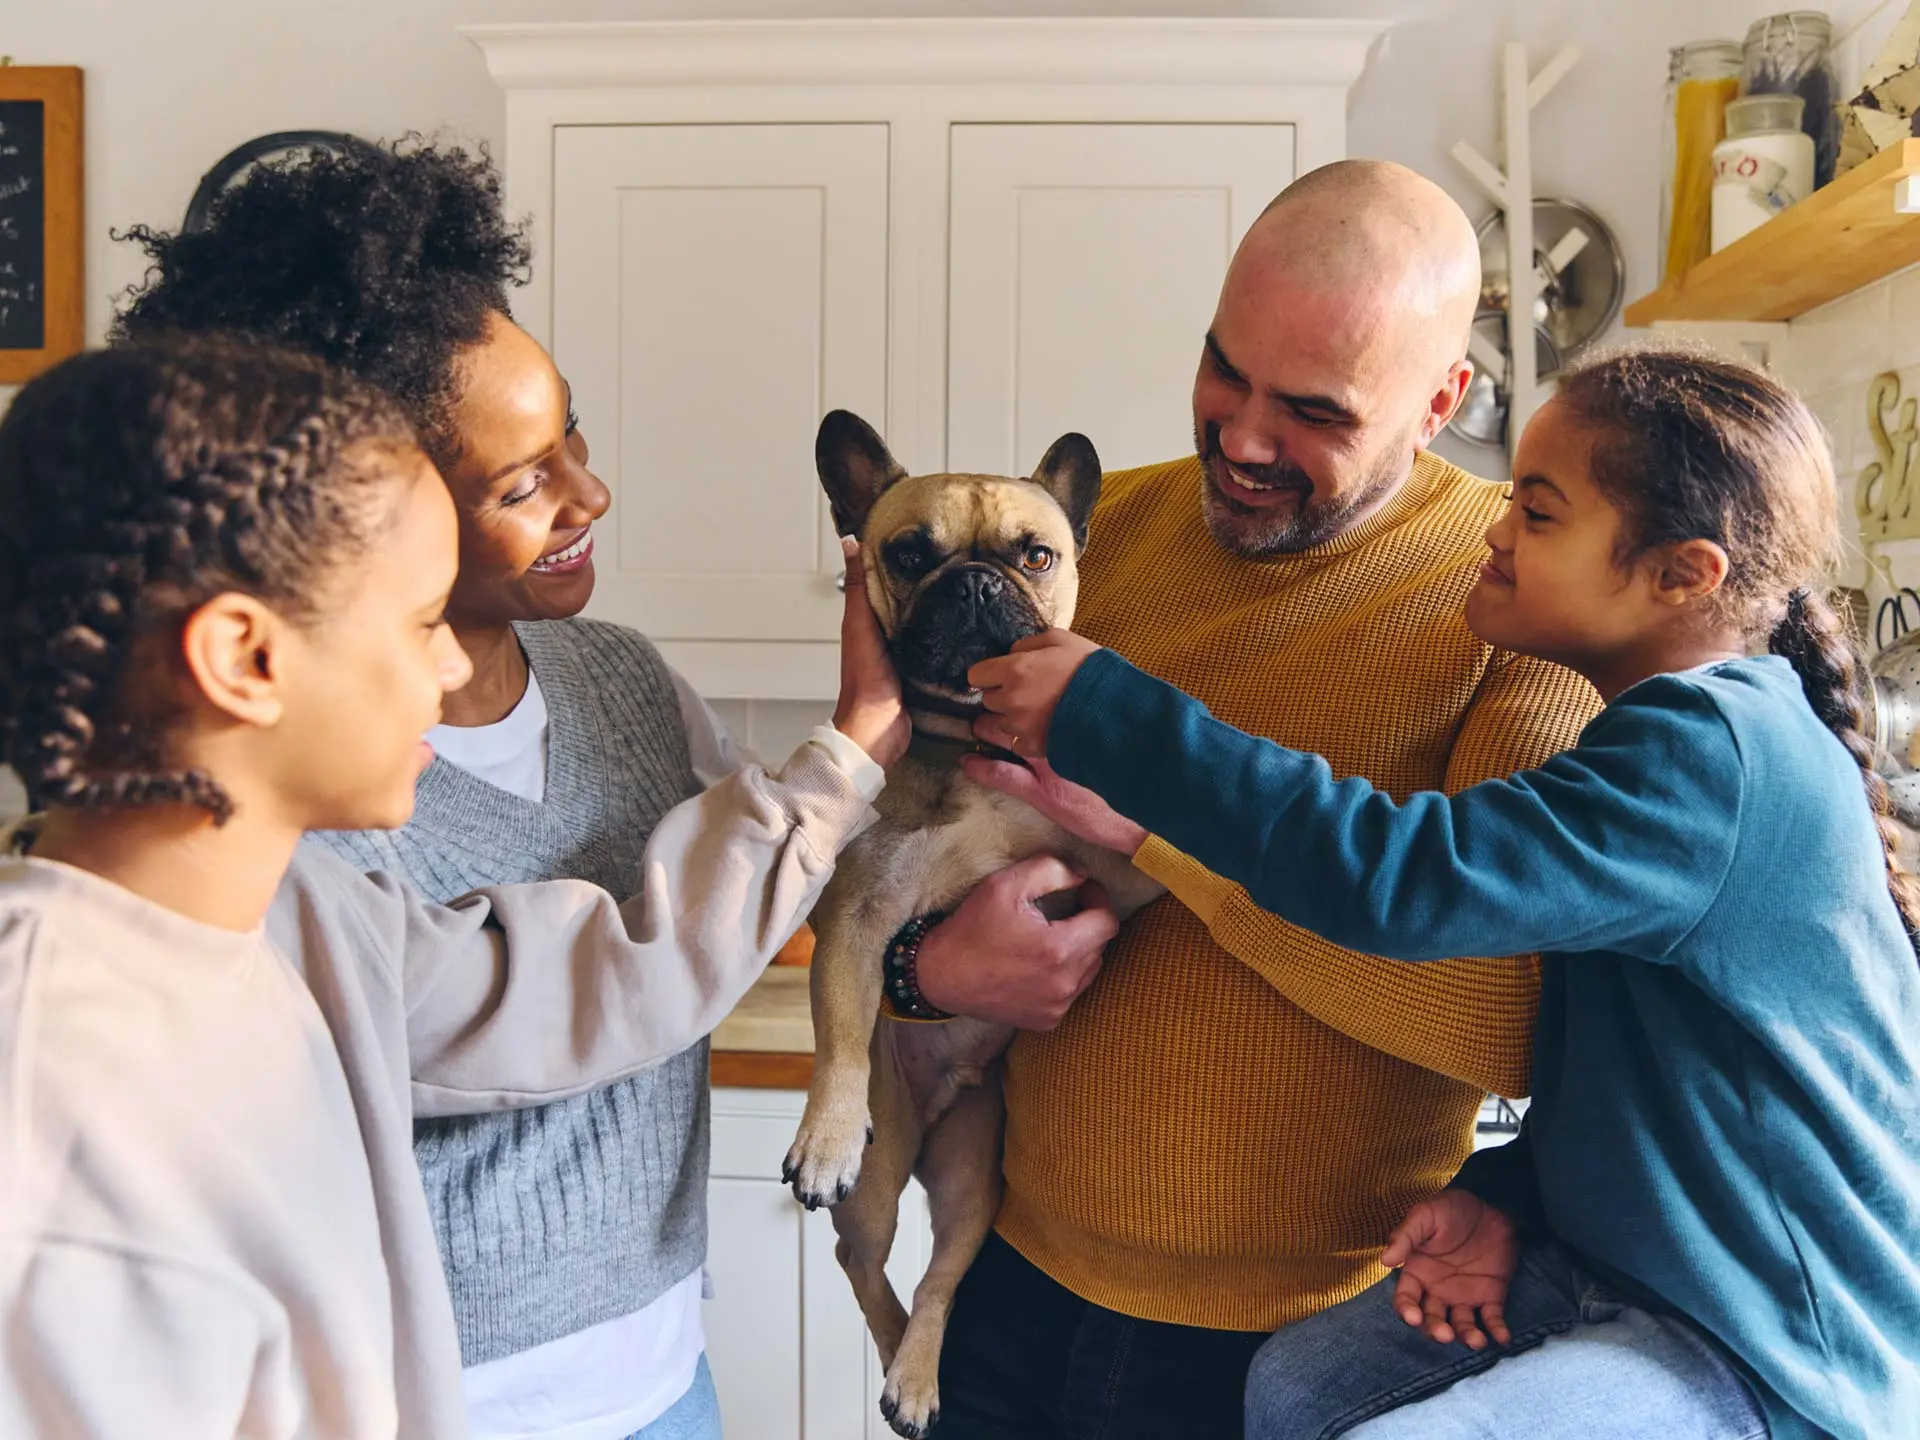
{"x":1336,"y":354}
{"x":1384,"y":235}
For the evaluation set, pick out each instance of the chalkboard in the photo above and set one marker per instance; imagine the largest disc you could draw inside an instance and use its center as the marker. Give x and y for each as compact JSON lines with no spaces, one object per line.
{"x":23,"y":224}
{"x":42,"y":240}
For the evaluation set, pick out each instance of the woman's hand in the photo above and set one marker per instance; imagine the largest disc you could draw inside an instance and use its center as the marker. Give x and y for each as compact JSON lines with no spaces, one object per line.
{"x":869,"y":713}
{"x":1023,"y":688}
{"x":1456,"y":1255}
{"x":1074,"y":808}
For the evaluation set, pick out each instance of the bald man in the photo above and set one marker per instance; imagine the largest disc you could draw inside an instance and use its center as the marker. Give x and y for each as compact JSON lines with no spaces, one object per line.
{"x":1214,"y":1139}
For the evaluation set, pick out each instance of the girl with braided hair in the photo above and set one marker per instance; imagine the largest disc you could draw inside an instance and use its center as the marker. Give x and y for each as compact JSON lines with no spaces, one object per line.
{"x":573,"y":1236}
{"x":1710,"y":1222}
{"x":224,"y":574}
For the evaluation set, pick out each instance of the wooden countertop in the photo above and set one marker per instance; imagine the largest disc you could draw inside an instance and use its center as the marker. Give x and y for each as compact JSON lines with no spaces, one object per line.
{"x":767,"y":1042}
{"x":775,"y":1015}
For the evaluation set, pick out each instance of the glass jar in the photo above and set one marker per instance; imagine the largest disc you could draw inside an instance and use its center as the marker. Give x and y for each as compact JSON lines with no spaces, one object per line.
{"x":1792,"y":54}
{"x":1702,"y":78}
{"x":1764,"y":165}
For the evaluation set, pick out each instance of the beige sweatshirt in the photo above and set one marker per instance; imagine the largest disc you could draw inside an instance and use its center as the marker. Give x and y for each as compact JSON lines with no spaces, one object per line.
{"x":196,"y":1187}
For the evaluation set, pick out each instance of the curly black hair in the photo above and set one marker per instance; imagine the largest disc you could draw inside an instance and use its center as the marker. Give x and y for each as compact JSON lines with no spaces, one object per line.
{"x":387,"y":262}
{"x":135,"y":484}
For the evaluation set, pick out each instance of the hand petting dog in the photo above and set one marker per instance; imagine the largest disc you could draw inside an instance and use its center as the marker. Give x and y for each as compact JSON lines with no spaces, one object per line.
{"x":870,"y":712}
{"x":1021,"y":691}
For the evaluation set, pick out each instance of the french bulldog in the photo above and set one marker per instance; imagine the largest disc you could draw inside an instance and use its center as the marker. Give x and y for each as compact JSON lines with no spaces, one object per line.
{"x":958,"y":567}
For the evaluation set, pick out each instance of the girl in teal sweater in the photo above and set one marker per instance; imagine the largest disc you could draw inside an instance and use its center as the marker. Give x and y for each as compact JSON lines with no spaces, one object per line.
{"x":1710,"y":1223}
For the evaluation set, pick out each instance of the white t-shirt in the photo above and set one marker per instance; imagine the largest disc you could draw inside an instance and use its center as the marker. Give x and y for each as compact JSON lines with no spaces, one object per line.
{"x":601,"y":1383}
{"x":611,"y":1379}
{"x":510,"y":754}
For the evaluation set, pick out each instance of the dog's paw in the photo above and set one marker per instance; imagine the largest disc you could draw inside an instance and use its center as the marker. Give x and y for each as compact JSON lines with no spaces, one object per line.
{"x":911,"y":1404}
{"x":824,"y":1164}
{"x":911,"y":1401}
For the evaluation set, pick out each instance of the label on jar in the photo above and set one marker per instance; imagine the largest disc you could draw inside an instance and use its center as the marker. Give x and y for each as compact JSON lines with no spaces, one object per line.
{"x":1761,"y":176}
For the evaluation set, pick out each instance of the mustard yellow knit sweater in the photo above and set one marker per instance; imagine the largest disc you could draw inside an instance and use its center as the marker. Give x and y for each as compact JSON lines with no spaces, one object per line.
{"x":1233,"y":1117}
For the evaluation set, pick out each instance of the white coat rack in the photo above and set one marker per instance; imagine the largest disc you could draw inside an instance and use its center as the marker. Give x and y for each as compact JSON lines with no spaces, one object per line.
{"x":1511,"y":188}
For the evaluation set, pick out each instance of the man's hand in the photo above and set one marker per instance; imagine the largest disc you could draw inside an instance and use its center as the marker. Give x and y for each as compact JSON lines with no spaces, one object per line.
{"x":1456,"y":1255}
{"x":998,"y":958}
{"x":870,"y":712}
{"x":1023,"y":688}
{"x":1074,"y":808}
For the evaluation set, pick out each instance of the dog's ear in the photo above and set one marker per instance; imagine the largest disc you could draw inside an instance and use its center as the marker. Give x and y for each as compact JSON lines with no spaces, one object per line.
{"x":1070,"y":472}
{"x":855,"y":468}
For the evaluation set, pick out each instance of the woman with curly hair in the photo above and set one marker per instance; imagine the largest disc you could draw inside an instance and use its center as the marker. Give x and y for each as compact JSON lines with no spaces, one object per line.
{"x":223,"y":581}
{"x":573,"y":1236}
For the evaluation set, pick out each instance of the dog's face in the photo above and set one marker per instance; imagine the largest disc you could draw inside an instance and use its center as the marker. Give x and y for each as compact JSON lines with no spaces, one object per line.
{"x":959,"y":566}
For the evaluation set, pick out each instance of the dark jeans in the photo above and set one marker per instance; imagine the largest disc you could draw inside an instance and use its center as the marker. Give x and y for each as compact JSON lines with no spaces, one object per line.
{"x":1027,"y":1359}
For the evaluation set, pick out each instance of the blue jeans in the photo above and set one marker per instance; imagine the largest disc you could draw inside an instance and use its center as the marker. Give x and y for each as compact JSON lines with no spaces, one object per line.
{"x":694,"y":1416}
{"x":1583,"y":1365}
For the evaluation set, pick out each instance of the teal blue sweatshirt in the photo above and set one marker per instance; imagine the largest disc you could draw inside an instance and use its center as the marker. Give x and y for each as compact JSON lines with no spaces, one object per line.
{"x":1726,"y":1110}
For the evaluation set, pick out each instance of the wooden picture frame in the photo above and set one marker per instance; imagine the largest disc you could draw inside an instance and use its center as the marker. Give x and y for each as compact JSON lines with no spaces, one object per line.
{"x":59,"y":288}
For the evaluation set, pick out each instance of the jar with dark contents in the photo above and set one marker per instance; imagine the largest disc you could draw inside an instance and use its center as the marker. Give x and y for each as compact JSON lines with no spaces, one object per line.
{"x":1792,"y":54}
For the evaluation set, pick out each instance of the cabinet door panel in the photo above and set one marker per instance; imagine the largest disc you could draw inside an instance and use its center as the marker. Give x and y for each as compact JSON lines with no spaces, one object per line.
{"x":1084,"y":263}
{"x":754,"y":1334}
{"x":717,"y":288}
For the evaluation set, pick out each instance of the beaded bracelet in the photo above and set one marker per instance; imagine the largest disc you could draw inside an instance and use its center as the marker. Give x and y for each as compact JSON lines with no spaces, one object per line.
{"x":902,"y":978}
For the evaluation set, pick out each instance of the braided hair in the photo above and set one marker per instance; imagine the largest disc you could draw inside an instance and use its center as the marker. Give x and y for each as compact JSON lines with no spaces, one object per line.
{"x":387,"y":262}
{"x":135,"y":485}
{"x":1689,"y":446}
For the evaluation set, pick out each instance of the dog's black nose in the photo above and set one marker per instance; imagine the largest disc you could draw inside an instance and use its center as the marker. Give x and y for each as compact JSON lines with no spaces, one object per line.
{"x":980,"y":588}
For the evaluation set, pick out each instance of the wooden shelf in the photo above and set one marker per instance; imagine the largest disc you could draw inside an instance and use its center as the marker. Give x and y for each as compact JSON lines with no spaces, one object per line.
{"x":1833,"y":242}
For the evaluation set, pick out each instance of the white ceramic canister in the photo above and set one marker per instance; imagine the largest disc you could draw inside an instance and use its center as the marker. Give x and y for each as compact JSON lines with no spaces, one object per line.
{"x":1764,"y":165}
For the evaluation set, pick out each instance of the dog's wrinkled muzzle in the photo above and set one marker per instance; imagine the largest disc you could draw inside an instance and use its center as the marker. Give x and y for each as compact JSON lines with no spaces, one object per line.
{"x":971,"y":613}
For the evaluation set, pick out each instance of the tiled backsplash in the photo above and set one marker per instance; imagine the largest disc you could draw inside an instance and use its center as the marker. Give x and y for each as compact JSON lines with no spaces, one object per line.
{"x":1831,"y":358}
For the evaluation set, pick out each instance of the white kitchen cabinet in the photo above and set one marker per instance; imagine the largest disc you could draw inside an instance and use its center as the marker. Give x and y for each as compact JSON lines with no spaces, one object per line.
{"x":790,"y":1352}
{"x":1083,"y":266}
{"x":976,"y":233}
{"x":718,"y":288}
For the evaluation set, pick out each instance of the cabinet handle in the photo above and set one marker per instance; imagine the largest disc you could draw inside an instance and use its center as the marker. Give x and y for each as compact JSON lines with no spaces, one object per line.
{"x":840,"y":582}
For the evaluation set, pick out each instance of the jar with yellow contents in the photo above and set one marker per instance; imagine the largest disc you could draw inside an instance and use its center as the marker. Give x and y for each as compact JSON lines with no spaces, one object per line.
{"x":1702,"y":79}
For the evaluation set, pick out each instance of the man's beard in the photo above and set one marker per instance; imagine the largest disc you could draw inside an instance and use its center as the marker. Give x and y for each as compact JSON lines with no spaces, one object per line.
{"x":1258,"y":533}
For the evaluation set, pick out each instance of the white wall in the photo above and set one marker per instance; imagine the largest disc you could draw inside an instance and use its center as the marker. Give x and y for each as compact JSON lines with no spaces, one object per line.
{"x":171,"y":87}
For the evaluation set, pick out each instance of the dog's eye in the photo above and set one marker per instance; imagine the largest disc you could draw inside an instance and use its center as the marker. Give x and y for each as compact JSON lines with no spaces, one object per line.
{"x":1038,"y":560}
{"x":908,"y":557}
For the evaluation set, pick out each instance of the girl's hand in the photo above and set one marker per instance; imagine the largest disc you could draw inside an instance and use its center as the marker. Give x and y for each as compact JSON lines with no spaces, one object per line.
{"x":1074,"y":808}
{"x":1024,"y":688}
{"x":1456,"y":1255}
{"x":869,"y":713}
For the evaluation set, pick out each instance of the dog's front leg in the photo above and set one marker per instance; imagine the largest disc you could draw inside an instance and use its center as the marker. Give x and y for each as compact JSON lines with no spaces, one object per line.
{"x":867,"y":1220}
{"x":850,"y":937}
{"x":960,"y":1168}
